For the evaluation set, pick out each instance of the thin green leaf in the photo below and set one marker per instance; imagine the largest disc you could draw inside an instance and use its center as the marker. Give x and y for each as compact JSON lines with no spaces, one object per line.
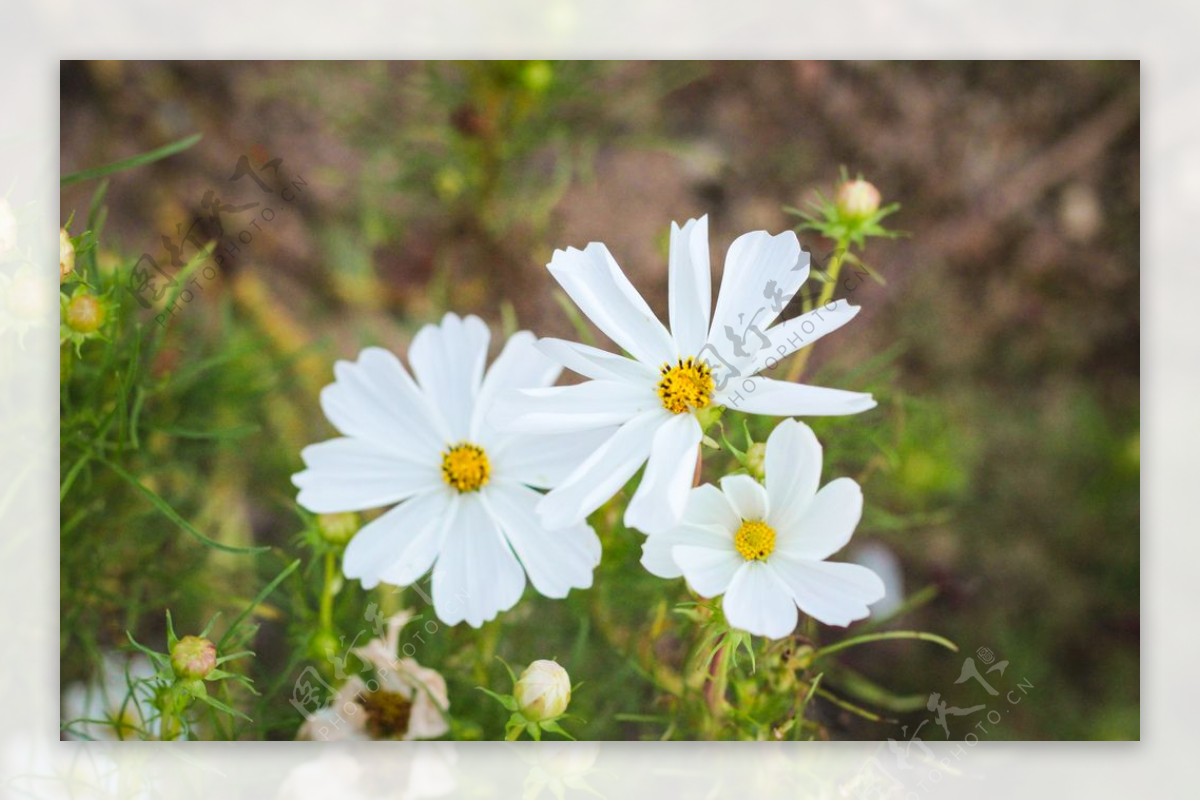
{"x":862,"y":639}
{"x":133,"y":161}
{"x":849,"y":707}
{"x":174,"y":516}
{"x":258,"y":599}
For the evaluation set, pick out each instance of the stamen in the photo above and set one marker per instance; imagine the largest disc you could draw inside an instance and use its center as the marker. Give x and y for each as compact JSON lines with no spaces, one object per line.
{"x":465,"y":467}
{"x":686,"y":385}
{"x":754,"y":540}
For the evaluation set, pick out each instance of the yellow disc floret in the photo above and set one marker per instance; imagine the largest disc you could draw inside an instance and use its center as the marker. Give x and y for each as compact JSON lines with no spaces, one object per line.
{"x":686,"y":385}
{"x":754,"y":540}
{"x":465,"y":467}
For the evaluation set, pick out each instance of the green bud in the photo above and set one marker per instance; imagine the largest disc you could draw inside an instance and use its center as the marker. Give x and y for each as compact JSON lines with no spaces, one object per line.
{"x":756,"y":460}
{"x":193,"y":657}
{"x":858,"y":199}
{"x":85,"y":313}
{"x":338,"y":528}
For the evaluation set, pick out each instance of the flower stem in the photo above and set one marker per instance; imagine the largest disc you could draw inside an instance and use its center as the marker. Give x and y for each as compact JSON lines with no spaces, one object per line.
{"x":796,"y":368}
{"x":326,"y":611}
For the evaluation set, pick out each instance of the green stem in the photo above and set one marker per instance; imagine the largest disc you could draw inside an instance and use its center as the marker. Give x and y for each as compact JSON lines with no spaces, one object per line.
{"x":326,"y":612}
{"x":835,"y":268}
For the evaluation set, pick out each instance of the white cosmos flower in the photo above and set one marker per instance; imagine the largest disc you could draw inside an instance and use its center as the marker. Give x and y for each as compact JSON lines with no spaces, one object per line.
{"x":765,"y":548}
{"x":464,"y":491}
{"x":704,"y":360}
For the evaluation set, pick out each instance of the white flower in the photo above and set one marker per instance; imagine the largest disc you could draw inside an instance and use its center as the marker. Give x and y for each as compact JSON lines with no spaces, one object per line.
{"x":700,"y":362}
{"x":765,"y":549}
{"x":543,"y":690}
{"x":402,"y":701}
{"x":464,"y":491}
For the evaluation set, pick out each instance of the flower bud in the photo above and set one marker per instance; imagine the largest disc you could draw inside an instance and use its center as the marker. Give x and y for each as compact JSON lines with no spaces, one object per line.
{"x":337,"y":528}
{"x":85,"y":313}
{"x":193,"y":657}
{"x":66,"y":255}
{"x":543,"y":690}
{"x":858,"y":198}
{"x":756,"y":459}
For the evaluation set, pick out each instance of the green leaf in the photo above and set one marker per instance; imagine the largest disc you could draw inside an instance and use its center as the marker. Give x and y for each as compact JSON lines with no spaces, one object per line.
{"x":174,"y":516}
{"x":552,"y":726}
{"x":222,"y":707}
{"x":506,"y":701}
{"x":131,"y":162}
{"x":258,"y":599}
{"x":849,"y":707}
{"x":862,"y":639}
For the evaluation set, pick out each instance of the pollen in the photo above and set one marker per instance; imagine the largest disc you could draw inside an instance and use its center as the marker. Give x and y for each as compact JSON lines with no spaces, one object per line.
{"x":465,"y":467}
{"x":754,"y":540}
{"x":686,"y":385}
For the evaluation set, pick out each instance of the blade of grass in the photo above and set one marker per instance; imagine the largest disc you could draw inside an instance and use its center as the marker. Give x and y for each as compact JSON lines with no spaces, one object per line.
{"x":131,"y":162}
{"x":258,"y":599}
{"x":169,"y":512}
{"x":850,"y":642}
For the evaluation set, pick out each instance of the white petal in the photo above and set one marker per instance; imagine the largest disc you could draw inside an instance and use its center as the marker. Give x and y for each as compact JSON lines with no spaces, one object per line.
{"x":603,"y":473}
{"x":800,"y":332}
{"x":832,"y":592}
{"x":656,"y":555}
{"x":596,"y":363}
{"x":602,"y":292}
{"x":789,"y":336}
{"x":556,"y":561}
{"x":402,"y":543}
{"x":662,"y":493}
{"x":520,"y":365}
{"x":375,"y":399}
{"x":349,"y":475}
{"x":708,"y":571}
{"x":448,"y":360}
{"x":793,"y":467}
{"x":759,"y":602}
{"x":746,"y":496}
{"x":708,"y":506}
{"x":826,"y":525}
{"x":656,"y":550}
{"x":476,"y":577}
{"x":760,"y":395}
{"x":543,"y":461}
{"x":690,"y":286}
{"x":579,"y":407}
{"x":761,"y":273}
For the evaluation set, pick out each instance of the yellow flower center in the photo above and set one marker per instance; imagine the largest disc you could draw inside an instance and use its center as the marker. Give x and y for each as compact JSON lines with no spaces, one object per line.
{"x":754,"y":540}
{"x":465,"y":467}
{"x":686,"y":385}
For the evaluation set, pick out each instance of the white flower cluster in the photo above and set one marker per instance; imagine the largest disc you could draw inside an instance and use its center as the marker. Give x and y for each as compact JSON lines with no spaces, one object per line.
{"x":463,"y":450}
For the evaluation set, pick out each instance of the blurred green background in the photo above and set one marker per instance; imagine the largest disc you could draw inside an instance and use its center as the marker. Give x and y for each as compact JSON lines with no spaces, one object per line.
{"x":1009,"y":324}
